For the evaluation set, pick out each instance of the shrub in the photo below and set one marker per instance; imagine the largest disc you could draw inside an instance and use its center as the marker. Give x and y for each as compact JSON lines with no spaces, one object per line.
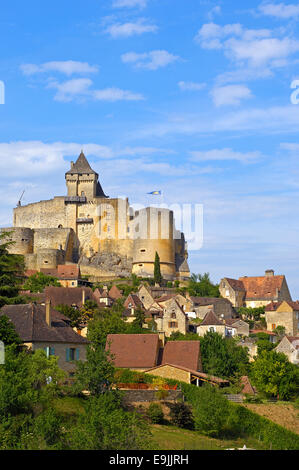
{"x":155,"y":413}
{"x":181,"y":415}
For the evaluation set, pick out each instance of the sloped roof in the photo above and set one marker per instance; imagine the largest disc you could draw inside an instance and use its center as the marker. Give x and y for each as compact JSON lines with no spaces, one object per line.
{"x":273,"y":306}
{"x":211,"y":319}
{"x":247,"y":388}
{"x":134,"y":299}
{"x":202,"y":301}
{"x":68,"y":296}
{"x":81,"y":166}
{"x":235,"y":284}
{"x":133,"y":351}
{"x":263,"y":287}
{"x":68,"y":271}
{"x":182,"y":353}
{"x":30,"y":324}
{"x":200,"y":375}
{"x":115,"y":293}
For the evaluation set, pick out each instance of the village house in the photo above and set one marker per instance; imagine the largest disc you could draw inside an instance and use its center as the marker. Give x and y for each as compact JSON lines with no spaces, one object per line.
{"x":102,"y":297}
{"x":172,"y":319}
{"x":255,"y":291}
{"x":68,"y":275}
{"x":202,"y":305}
{"x":42,"y":327}
{"x":226,"y":328}
{"x":177,"y":360}
{"x":290,"y":347}
{"x":285,"y":314}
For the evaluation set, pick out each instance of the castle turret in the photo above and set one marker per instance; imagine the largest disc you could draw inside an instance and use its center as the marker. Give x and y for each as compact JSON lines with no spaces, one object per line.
{"x":154,"y":233}
{"x":82,"y":180}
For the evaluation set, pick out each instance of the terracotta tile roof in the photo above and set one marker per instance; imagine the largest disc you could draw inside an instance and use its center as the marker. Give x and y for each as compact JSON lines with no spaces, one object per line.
{"x":263,"y":331}
{"x":115,"y":293}
{"x":182,"y":353}
{"x":235,"y":284}
{"x":134,"y":351}
{"x":211,"y":319}
{"x":68,"y":271}
{"x":273,"y":306}
{"x":49,"y":272}
{"x":30,"y":272}
{"x":262,"y":287}
{"x":68,"y":296}
{"x":30,"y":324}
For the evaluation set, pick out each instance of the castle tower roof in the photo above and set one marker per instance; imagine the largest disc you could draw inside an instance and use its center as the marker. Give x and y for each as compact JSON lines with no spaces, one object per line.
{"x":81,"y":166}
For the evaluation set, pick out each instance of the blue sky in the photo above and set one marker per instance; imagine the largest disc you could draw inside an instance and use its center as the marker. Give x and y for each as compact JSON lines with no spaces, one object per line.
{"x":191,"y":97}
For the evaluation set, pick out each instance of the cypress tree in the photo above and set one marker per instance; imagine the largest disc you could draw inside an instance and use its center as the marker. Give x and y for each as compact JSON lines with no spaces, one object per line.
{"x":157,"y":270}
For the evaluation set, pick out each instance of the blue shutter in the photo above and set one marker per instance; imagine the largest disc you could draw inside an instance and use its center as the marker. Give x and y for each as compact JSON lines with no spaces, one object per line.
{"x":77,"y":354}
{"x":52,"y":351}
{"x":67,"y":354}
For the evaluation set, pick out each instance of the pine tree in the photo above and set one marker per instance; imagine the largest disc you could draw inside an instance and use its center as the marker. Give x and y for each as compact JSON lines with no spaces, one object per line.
{"x":157,"y":270}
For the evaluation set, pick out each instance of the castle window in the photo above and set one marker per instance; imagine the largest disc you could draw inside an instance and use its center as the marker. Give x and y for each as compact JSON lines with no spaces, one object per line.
{"x":82,"y":193}
{"x":59,"y":226}
{"x":140,"y":265}
{"x":142,"y":251}
{"x":46,"y":262}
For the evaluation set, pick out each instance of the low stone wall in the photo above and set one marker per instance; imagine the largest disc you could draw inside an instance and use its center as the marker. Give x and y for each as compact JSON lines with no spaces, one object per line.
{"x":131,"y":396}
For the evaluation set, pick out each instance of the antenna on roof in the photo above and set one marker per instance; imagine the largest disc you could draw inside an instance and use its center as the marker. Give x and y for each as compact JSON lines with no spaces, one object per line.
{"x":19,"y":201}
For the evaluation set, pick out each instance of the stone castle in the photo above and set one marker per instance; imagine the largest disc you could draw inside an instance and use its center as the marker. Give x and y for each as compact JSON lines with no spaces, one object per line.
{"x":104,"y":235}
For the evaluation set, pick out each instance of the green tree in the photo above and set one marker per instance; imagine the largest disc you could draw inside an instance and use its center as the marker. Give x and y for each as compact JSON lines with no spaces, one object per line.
{"x":274,"y":375}
{"x":38,"y":281}
{"x":8,"y":334}
{"x":181,"y":415}
{"x":105,"y":425}
{"x":74,"y":314}
{"x":210,"y":410}
{"x":102,"y":325}
{"x":11,"y":272}
{"x":96,"y":374}
{"x":200,"y":285}
{"x":157,"y":270}
{"x":222,"y":356}
{"x":155,"y":413}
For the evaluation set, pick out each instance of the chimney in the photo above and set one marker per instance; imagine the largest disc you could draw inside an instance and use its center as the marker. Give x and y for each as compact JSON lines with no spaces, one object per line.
{"x":83,"y":296}
{"x":48,"y":313}
{"x":269,"y":273}
{"x":72,"y":164}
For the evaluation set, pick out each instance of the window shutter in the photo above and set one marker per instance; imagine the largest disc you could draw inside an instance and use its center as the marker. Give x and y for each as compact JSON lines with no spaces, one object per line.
{"x":67,"y":354}
{"x":77,"y":354}
{"x":48,"y":351}
{"x":52,"y":351}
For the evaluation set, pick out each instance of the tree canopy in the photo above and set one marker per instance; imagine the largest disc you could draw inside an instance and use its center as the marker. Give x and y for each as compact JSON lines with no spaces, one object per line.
{"x":38,"y":281}
{"x":200,"y":285}
{"x":11,"y":271}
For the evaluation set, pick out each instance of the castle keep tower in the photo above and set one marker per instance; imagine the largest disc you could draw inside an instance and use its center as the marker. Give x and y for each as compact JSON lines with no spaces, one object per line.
{"x":82,"y":180}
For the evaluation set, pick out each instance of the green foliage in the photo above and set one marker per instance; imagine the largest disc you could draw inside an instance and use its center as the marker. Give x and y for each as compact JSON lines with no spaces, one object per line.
{"x":105,"y":323}
{"x":96,"y":374}
{"x":38,"y":281}
{"x":181,"y":415}
{"x":157,"y":270}
{"x":222,"y":356}
{"x":280,"y":331}
{"x":11,"y":271}
{"x":274,"y":375}
{"x":155,"y":413}
{"x":106,"y":426}
{"x":177,"y":336}
{"x":200,"y":285}
{"x":251,"y":313}
{"x":8,"y":334}
{"x":74,"y":314}
{"x":210,"y":410}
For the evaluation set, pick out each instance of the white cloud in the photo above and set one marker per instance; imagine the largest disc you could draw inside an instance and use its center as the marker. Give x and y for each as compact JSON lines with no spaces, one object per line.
{"x":253,"y":48}
{"x":279,"y":10}
{"x":191,"y":86}
{"x":68,"y":67}
{"x":129,"y":3}
{"x":80,"y":89}
{"x":116,"y":94}
{"x":121,"y":30}
{"x":230,"y":94}
{"x":214,"y":11}
{"x":225,"y":154}
{"x":149,"y":60}
{"x":67,"y":91}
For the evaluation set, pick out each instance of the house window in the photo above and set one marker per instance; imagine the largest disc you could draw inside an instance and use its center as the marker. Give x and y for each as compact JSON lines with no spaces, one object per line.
{"x":49,"y":351}
{"x":173,"y":324}
{"x":227,"y":293}
{"x":273,"y":326}
{"x":72,"y":354}
{"x":173,"y":315}
{"x":212,"y":329}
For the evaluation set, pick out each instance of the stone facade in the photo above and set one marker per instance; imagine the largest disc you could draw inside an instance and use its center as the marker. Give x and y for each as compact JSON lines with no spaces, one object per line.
{"x":173,"y":319}
{"x":290,"y":347}
{"x":105,"y":235}
{"x":60,"y":351}
{"x":171,"y":372}
{"x":285,"y":315}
